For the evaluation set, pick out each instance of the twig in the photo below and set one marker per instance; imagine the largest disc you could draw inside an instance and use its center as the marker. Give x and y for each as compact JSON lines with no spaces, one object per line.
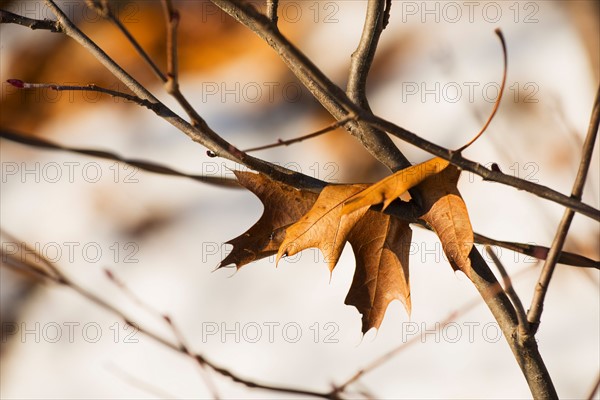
{"x":360,"y":65}
{"x":172,"y":82}
{"x":143,"y":165}
{"x":64,"y":280}
{"x":272,"y":11}
{"x":280,"y":142}
{"x":362,"y":58}
{"x":539,"y":252}
{"x":103,"y":8}
{"x":88,"y":88}
{"x":500,"y":93}
{"x":510,"y":291}
{"x":6,"y":17}
{"x":537,"y":303}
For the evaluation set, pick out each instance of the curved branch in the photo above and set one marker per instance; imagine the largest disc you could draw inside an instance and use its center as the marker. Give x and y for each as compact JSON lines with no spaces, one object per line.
{"x":143,"y":165}
{"x":537,"y":303}
{"x":361,"y":61}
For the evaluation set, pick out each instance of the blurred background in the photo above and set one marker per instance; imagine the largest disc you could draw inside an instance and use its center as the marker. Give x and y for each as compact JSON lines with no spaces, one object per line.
{"x":436,"y":73}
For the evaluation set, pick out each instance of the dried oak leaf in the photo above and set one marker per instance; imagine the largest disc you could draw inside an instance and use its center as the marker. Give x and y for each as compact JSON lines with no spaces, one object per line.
{"x":381,"y":247}
{"x":283,"y":205}
{"x":323,"y":226}
{"x":445,"y":211}
{"x":380,"y":244}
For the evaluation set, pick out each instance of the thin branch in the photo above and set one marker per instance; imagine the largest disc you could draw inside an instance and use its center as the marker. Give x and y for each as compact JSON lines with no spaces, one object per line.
{"x":6,"y":17}
{"x":66,"y":281}
{"x":171,"y":80}
{"x":539,"y":252}
{"x":339,"y":105}
{"x":143,"y":165}
{"x":272,"y":11}
{"x":537,"y":303}
{"x":88,"y":88}
{"x":172,"y":18}
{"x":315,"y":134}
{"x":500,"y":93}
{"x":362,"y":58}
{"x":384,"y":358}
{"x":360,"y":65}
{"x":103,"y":8}
{"x":510,"y":291}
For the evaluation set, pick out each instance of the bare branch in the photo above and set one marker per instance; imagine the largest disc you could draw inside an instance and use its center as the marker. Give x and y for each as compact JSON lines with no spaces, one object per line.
{"x":537,"y":303}
{"x":498,"y":100}
{"x":360,"y":65}
{"x":103,"y":8}
{"x":143,"y":165}
{"x":172,"y":82}
{"x":510,"y":291}
{"x":6,"y":17}
{"x":88,"y":88}
{"x":539,"y":252}
{"x":272,"y":11}
{"x":320,"y":132}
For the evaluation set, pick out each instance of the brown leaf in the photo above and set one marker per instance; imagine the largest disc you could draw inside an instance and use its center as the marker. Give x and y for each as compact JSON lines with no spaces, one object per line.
{"x":381,"y":246}
{"x":390,"y":188}
{"x":323,"y":226}
{"x":446,"y":212}
{"x":283,"y":206}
